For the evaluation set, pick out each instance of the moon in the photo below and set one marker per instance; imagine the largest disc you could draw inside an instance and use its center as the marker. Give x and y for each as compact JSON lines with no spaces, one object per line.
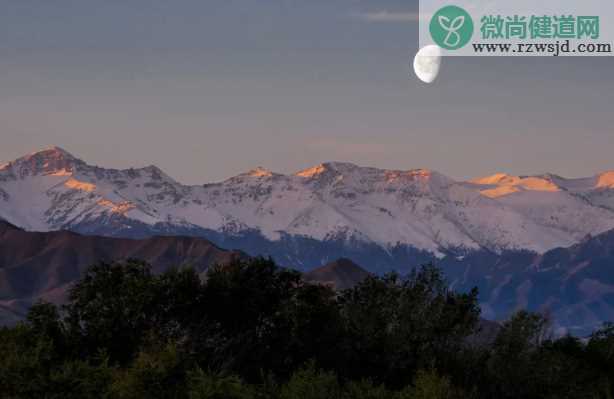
{"x":427,"y":63}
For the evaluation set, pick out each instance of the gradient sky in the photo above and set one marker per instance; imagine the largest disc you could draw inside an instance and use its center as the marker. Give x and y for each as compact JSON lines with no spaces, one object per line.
{"x":206,"y":89}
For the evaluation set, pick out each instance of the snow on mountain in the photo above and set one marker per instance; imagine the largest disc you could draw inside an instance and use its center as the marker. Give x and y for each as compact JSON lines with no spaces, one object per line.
{"x":51,"y":189}
{"x":605,"y":180}
{"x":567,"y":206}
{"x":598,"y":190}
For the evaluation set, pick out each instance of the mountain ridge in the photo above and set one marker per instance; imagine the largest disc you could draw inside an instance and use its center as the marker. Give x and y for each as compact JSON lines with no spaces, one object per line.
{"x":604,"y":178}
{"x":336,"y":203}
{"x":36,"y":265}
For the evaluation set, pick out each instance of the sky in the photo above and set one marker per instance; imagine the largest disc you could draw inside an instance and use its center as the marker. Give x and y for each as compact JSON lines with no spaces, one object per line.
{"x":206,"y":89}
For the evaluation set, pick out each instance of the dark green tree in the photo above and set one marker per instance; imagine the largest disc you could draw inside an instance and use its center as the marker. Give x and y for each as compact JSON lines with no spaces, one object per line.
{"x":26,"y":359}
{"x":307,"y":327}
{"x":600,"y":351}
{"x":156,"y":373}
{"x":394,"y":326}
{"x":45,"y":321}
{"x":179,"y":305}
{"x":111,"y":309}
{"x":202,"y":385}
{"x":512,"y":364}
{"x":309,"y":382}
{"x":243,"y":304}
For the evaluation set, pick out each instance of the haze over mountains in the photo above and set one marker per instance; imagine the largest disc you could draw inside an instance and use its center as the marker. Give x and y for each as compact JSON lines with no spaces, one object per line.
{"x":339,"y":208}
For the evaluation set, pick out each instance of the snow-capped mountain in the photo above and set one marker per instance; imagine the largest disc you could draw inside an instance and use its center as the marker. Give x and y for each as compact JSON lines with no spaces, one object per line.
{"x":332,"y":202}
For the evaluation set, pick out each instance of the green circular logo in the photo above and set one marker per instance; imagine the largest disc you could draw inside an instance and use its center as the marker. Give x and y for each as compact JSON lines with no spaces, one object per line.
{"x":451,"y":27}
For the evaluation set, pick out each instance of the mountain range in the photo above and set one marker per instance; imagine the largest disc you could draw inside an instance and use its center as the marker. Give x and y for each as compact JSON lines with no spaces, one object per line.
{"x":539,"y":242}
{"x":574,"y":285}
{"x":386,"y":218}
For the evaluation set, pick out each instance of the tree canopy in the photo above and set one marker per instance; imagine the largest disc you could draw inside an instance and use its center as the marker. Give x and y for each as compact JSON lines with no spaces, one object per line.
{"x":251,"y":329}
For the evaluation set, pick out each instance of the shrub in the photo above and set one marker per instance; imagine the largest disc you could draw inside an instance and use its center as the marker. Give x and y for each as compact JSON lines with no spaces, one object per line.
{"x":311,"y":383}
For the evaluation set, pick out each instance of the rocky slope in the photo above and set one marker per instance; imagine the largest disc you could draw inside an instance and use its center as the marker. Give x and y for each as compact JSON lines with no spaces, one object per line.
{"x":43,"y":265}
{"x":574,"y":285}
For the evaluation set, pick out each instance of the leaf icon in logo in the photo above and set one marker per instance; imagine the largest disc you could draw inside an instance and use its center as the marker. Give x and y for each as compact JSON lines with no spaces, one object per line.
{"x":452,"y":29}
{"x":444,"y":22}
{"x":458,"y":23}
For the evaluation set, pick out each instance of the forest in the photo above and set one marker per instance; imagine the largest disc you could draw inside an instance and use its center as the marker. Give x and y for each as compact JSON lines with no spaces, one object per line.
{"x":251,"y":329}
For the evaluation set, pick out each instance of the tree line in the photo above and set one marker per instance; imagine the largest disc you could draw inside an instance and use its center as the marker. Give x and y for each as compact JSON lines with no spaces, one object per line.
{"x":251,"y":329}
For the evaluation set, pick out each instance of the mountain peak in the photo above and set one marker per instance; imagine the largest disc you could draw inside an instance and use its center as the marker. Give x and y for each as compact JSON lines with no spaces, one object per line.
{"x":422,"y":173}
{"x":46,"y":161}
{"x":340,"y":274}
{"x":344,"y":264}
{"x":259,"y":172}
{"x":327,"y":167}
{"x":497,"y":178}
{"x":312,"y":172}
{"x":605,"y":180}
{"x":52,"y":152}
{"x":156,"y":173}
{"x":501,"y":184}
{"x":47,"y":154}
